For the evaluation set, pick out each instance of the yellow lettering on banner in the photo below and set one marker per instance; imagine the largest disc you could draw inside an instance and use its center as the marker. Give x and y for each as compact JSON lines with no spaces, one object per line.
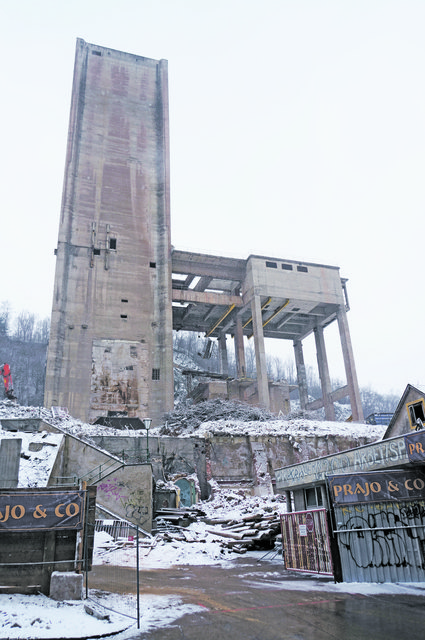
{"x":58,"y":513}
{"x":39,"y":512}
{"x":76,"y":509}
{"x":337,"y":489}
{"x":411,"y":448}
{"x":359,"y":489}
{"x":5,"y":518}
{"x":419,"y":448}
{"x":71,"y":510}
{"x":392,"y":486}
{"x":419,"y":484}
{"x":347,"y":490}
{"x":21,"y":512}
{"x":406,"y":484}
{"x":375,"y":487}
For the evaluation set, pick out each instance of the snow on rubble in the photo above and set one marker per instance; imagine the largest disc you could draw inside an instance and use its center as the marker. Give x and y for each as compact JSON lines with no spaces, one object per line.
{"x":200,"y":543}
{"x":212,"y":417}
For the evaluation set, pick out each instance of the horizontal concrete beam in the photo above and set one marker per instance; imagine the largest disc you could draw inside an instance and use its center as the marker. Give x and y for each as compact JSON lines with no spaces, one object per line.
{"x":336,"y":395}
{"x":206,"y":297}
{"x":199,"y":264}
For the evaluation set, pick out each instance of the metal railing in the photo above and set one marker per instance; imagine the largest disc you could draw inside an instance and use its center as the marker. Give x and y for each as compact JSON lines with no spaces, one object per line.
{"x":102,"y":471}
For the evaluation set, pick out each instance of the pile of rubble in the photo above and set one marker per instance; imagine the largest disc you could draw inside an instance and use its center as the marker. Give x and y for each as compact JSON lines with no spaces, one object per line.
{"x":256,"y":530}
{"x":230,"y":523}
{"x":252,"y":531}
{"x":187,"y":417}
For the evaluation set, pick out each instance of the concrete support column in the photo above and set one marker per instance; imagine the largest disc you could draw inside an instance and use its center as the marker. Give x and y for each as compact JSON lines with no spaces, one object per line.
{"x":350,"y":369}
{"x":301,"y":373}
{"x":325,"y":379}
{"x":224,"y":363}
{"x":260,"y":353}
{"x":325,"y":501}
{"x":239,"y":349}
{"x":10,"y":457}
{"x":288,"y":501}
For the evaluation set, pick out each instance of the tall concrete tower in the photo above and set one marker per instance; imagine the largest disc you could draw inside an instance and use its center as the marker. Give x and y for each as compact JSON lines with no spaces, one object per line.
{"x":111,"y":331}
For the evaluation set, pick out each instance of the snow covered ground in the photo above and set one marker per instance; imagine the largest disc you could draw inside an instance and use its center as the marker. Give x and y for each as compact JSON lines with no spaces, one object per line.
{"x":27,"y":617}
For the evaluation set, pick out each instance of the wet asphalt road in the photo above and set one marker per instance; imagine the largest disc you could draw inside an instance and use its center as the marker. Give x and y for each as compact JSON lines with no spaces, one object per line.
{"x":260,"y":601}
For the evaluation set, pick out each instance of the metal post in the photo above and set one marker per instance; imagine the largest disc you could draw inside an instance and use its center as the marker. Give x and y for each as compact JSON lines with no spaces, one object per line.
{"x":147,"y":423}
{"x":86,"y":542}
{"x":138,"y":578}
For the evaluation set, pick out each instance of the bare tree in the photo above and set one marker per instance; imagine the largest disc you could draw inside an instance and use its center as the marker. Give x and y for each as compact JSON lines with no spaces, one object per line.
{"x":4,"y":318}
{"x":42,"y":331}
{"x":24,"y":326}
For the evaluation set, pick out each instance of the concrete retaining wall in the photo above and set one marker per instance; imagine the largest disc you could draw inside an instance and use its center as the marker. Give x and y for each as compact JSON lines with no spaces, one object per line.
{"x":127,"y":489}
{"x":226,"y":459}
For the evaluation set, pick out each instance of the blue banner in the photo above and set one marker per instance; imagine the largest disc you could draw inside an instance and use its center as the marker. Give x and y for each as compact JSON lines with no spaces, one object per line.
{"x":28,"y":510}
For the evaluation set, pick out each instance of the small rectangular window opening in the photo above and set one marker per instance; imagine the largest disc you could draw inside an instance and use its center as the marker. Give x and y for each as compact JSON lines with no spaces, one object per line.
{"x":271,"y":265}
{"x":155,"y":374}
{"x":287,"y":267}
{"x":302,"y":268}
{"x":96,"y":53}
{"x":96,"y":252}
{"x":124,"y":300}
{"x":313,"y":497}
{"x":416,"y":411}
{"x":123,"y":316}
{"x":113,"y":244}
{"x":152,"y":265}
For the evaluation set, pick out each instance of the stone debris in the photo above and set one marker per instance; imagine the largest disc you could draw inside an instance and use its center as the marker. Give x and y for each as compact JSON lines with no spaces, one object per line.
{"x":187,"y":417}
{"x":256,"y":531}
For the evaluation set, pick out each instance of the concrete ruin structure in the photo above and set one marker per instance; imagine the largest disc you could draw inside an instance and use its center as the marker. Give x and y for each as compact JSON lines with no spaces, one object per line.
{"x":111,"y":328}
{"x":120,"y":288}
{"x":260,"y":298}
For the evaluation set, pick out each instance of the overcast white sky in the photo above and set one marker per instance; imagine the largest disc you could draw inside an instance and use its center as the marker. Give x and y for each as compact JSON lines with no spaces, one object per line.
{"x":297,"y":131}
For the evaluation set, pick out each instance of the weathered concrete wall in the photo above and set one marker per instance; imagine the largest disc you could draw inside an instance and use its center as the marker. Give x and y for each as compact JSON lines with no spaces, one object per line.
{"x":226,"y":459}
{"x":126,"y":491}
{"x":110,"y":343}
{"x":10,"y":450}
{"x":27,"y":425}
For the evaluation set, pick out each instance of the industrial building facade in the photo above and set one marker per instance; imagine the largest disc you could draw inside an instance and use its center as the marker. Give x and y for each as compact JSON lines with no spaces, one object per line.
{"x":111,"y":329}
{"x":120,"y":289}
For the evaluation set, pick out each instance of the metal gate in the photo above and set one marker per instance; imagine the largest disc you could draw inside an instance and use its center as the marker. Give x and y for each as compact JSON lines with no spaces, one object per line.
{"x":382,"y":542}
{"x":306,"y":544}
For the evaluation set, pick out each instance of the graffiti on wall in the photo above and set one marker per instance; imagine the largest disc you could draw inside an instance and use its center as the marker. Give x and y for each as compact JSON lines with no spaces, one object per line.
{"x":383,"y":534}
{"x":133,"y":502}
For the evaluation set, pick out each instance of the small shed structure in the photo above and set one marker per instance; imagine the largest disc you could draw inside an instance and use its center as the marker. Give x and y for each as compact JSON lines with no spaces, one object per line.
{"x":43,"y":531}
{"x":372,"y":510}
{"x":409,"y":414}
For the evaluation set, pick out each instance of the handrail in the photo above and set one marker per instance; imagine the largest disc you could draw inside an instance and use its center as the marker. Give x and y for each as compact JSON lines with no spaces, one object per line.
{"x":102,"y":471}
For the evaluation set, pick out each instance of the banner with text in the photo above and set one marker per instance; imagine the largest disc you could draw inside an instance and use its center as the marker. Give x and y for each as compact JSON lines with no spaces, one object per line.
{"x":415,"y":446}
{"x":377,"y":487}
{"x":41,"y":510}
